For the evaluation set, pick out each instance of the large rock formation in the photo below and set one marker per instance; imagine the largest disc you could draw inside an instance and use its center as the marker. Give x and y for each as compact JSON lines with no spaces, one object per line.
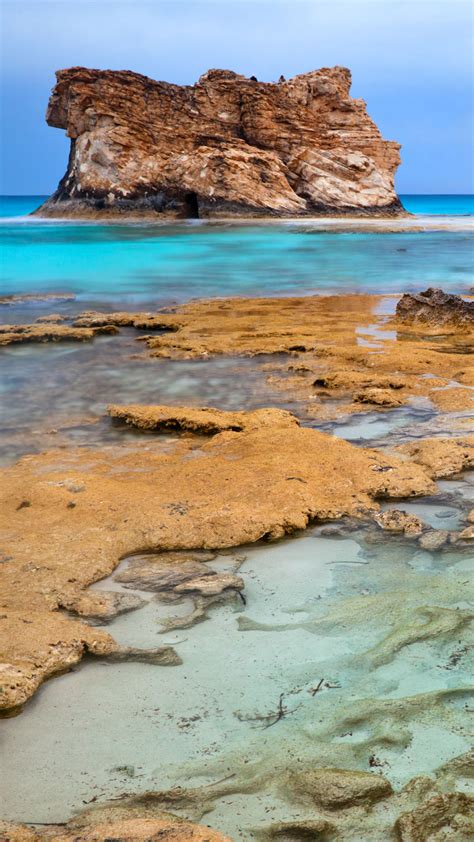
{"x":227,"y":146}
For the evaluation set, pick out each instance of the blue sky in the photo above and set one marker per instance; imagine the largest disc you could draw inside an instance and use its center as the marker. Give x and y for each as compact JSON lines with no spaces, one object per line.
{"x":411,"y":61}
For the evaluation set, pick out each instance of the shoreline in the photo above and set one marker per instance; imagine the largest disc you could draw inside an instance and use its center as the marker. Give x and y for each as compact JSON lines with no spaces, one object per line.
{"x":334,"y":224}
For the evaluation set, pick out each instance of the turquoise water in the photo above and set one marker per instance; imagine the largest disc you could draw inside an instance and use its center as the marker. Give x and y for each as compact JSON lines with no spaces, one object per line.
{"x":159,"y":263}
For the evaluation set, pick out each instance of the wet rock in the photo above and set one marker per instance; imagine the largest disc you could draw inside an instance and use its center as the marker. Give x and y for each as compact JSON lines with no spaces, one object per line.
{"x":149,"y":575}
{"x":396,"y":520}
{"x":163,"y":827}
{"x":378,"y":397}
{"x":204,"y":420}
{"x":435,"y":308}
{"x":211,"y":585}
{"x":333,"y":789}
{"x":14,"y":334}
{"x":440,"y":457}
{"x":309,"y":830}
{"x":434,"y":539}
{"x":164,"y":656}
{"x":226,"y":146}
{"x":104,"y":605}
{"x":201,"y":608}
{"x":451,"y":815}
{"x":36,"y":296}
{"x":467,"y":534}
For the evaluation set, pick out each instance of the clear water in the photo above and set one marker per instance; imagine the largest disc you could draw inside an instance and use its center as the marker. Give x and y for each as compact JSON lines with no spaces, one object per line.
{"x":351,"y":612}
{"x":149,"y":263}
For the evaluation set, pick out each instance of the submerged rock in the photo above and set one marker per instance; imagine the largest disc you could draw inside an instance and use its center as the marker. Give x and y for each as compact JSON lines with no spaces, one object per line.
{"x":336,"y":788}
{"x":435,"y":308}
{"x":434,"y":539}
{"x":165,"y":656}
{"x":227,"y":146}
{"x":444,"y":816}
{"x":309,"y":830}
{"x":45,"y":332}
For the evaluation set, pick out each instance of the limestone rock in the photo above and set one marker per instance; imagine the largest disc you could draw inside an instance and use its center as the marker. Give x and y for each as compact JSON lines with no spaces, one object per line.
{"x":379,"y":397}
{"x":333,"y":789}
{"x":45,"y":332}
{"x":450,"y":812}
{"x":435,"y":308}
{"x":467,"y":534}
{"x":227,"y":146}
{"x":205,"y":420}
{"x":434,"y":539}
{"x":396,"y":520}
{"x":166,"y":829}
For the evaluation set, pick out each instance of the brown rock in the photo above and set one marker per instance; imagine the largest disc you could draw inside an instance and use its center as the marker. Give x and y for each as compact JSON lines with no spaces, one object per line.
{"x":205,"y":420}
{"x":440,"y":457}
{"x":227,"y":146}
{"x":467,"y":534}
{"x":12,"y":334}
{"x":435,"y":308}
{"x":451,"y":812}
{"x":379,"y":397}
{"x":333,"y":789}
{"x":167,"y":829}
{"x":396,"y":520}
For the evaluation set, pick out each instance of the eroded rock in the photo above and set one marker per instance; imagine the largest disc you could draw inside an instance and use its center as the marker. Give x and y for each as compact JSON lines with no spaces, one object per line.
{"x":435,"y":308}
{"x":45,"y":332}
{"x":396,"y":520}
{"x":227,"y":146}
{"x":336,"y":788}
{"x":434,"y":539}
{"x":452,"y":813}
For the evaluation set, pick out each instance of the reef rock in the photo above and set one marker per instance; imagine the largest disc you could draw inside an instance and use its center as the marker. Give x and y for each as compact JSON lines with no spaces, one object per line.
{"x":336,"y":788}
{"x":226,"y":146}
{"x":434,"y":308}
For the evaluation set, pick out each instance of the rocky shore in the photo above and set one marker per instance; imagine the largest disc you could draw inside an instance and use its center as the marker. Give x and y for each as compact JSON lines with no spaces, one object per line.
{"x":229,"y":146}
{"x":198,"y":480}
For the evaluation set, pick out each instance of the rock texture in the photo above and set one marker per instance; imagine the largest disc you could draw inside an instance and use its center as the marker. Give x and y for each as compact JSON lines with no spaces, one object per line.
{"x":235,"y":488}
{"x":227,"y":146}
{"x":435,"y":308}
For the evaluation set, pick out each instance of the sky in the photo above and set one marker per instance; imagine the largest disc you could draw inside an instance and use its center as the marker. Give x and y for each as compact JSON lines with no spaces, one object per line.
{"x":411,"y":60}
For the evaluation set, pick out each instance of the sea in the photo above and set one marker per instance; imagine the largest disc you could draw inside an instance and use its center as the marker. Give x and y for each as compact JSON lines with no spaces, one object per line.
{"x":131,"y":265}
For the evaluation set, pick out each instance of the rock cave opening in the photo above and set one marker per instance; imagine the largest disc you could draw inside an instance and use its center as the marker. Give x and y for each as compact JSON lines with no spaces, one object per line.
{"x":191,"y":205}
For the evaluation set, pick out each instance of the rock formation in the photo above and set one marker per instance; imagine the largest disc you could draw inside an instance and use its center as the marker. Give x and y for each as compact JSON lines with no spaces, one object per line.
{"x":435,"y":308}
{"x":227,"y":146}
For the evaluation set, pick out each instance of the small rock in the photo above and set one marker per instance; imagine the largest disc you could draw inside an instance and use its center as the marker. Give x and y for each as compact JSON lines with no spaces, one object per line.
{"x":467,"y":534}
{"x":396,"y":520}
{"x":165,"y":656}
{"x":434,"y":539}
{"x":335,"y":788}
{"x":211,"y":585}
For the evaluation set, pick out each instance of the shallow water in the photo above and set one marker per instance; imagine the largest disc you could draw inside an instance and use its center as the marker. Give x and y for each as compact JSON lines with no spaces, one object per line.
{"x":379,"y":622}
